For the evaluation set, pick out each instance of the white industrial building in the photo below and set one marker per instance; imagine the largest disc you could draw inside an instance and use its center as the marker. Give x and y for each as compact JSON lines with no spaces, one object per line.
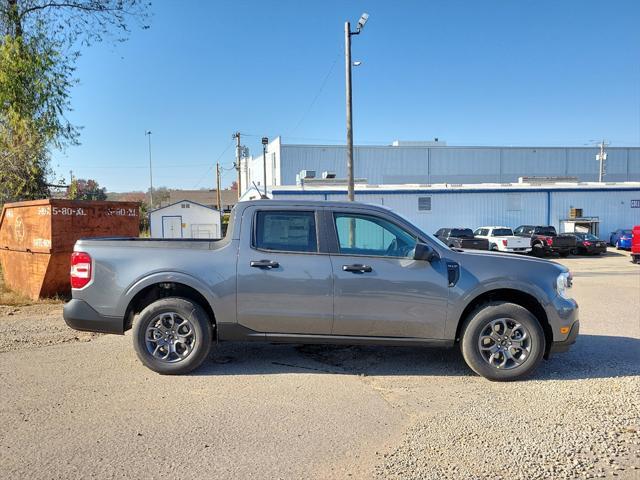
{"x":185,"y":219}
{"x":605,"y":206}
{"x":436,"y":162}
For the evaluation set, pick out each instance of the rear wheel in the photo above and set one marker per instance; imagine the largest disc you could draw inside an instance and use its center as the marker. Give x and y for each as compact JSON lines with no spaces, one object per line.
{"x":502,"y":341}
{"x":635,"y":258}
{"x":172,"y":336}
{"x":564,"y":253}
{"x":493,"y":247}
{"x":538,"y":250}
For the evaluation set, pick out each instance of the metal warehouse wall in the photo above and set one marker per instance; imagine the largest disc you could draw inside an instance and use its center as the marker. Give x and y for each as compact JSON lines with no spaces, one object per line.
{"x":397,"y":165}
{"x":477,"y":208}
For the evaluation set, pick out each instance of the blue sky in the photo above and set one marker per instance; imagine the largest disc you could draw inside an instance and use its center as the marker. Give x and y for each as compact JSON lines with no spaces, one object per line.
{"x":475,"y":72}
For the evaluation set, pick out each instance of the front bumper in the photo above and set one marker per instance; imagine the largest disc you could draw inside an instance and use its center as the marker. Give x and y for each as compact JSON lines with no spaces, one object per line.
{"x":79,"y":315}
{"x":563,"y":346}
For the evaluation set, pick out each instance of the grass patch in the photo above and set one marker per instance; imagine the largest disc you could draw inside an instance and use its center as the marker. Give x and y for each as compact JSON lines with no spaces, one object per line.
{"x":14,"y":299}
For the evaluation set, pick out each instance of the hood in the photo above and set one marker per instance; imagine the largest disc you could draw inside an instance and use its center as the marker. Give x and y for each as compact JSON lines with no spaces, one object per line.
{"x":504,"y":260}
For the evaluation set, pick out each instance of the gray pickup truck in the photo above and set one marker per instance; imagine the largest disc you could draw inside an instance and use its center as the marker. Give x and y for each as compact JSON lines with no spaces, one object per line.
{"x":321,"y":272}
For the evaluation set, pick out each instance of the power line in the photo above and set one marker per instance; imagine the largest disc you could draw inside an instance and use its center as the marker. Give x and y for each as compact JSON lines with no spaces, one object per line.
{"x":213,"y":164}
{"x":317,"y":95}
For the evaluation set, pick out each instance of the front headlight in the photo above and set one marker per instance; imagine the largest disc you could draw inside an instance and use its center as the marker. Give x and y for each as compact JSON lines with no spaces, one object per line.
{"x":563,"y":283}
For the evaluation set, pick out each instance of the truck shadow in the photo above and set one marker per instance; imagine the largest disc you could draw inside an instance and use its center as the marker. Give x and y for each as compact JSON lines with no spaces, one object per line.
{"x":593,"y":356}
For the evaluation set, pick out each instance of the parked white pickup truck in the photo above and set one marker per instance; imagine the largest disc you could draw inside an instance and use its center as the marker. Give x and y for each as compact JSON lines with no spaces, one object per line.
{"x":502,"y":239}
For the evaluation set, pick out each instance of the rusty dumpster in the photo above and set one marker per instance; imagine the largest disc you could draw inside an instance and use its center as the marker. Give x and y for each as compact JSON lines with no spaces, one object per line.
{"x":37,"y":238}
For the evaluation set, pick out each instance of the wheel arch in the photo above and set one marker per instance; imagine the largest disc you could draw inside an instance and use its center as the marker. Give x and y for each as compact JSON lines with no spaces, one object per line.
{"x":524,"y":299}
{"x":156,"y":291}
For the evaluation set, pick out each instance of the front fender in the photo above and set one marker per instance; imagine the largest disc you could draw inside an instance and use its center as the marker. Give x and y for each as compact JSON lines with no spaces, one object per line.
{"x":463,"y":294}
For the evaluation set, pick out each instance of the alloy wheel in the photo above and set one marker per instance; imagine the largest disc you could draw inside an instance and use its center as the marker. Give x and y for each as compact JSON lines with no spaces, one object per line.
{"x":504,"y":343}
{"x":170,"y":337}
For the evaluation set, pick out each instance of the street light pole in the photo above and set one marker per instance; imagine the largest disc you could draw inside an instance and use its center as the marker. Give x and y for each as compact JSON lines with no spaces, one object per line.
{"x":148,"y":134}
{"x":265,"y":141}
{"x":347,"y":63}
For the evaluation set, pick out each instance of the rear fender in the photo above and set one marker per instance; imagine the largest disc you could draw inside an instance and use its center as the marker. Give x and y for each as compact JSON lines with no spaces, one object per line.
{"x":165,"y":277}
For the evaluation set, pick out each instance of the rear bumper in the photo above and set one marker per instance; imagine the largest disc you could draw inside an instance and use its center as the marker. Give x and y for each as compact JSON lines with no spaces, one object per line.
{"x":564,"y":345}
{"x":79,"y":315}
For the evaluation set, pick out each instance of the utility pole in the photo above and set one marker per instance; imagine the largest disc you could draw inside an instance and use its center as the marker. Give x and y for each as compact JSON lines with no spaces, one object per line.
{"x":238,"y":160}
{"x":602,"y":158}
{"x":265,"y":141}
{"x":218,"y":197}
{"x":148,"y":134}
{"x":347,"y":63}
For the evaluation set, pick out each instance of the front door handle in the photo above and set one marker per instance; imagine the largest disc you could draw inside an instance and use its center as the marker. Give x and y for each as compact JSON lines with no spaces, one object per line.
{"x":265,"y":264}
{"x":357,"y":268}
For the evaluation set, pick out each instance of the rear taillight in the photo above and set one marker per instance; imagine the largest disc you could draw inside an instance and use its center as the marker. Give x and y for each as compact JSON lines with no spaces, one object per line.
{"x":550,"y":240}
{"x":587,"y":243}
{"x":80,"y":269}
{"x":504,"y":243}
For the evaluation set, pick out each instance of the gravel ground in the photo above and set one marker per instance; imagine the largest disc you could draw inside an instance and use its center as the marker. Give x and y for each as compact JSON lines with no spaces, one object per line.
{"x":34,"y":326}
{"x":82,"y":405}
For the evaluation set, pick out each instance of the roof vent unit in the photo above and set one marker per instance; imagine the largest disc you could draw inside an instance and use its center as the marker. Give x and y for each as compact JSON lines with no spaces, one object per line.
{"x":327,"y":174}
{"x":306,"y":174}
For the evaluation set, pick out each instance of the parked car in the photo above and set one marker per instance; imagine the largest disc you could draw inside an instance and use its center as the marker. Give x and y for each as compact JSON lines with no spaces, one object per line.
{"x":621,"y":239}
{"x":502,"y":239}
{"x":588,"y":244}
{"x":545,"y":240}
{"x":635,"y":245}
{"x":321,"y":272}
{"x":461,"y":238}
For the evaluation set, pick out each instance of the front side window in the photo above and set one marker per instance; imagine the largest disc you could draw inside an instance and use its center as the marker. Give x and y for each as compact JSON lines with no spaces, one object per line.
{"x":372,"y":236}
{"x":291,"y":231}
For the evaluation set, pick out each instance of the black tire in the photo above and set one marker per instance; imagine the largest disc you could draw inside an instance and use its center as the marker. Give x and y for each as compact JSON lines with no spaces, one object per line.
{"x":564,"y":253}
{"x":575,"y":251}
{"x":635,"y":258}
{"x":493,"y":247}
{"x":537,"y":249}
{"x":199,"y":324}
{"x":481,"y":319}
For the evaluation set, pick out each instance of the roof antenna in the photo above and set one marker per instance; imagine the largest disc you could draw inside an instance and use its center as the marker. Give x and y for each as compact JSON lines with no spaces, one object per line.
{"x":262,"y":195}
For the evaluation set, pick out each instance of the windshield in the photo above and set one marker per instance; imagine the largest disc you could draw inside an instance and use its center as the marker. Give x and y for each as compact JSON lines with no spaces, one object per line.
{"x":461,"y":232}
{"x":626,"y":232}
{"x":502,"y":232}
{"x":431,"y":237}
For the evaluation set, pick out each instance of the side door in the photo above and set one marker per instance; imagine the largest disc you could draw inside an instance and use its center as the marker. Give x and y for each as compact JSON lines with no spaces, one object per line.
{"x":379,"y":289}
{"x":284,"y":282}
{"x":172,"y":226}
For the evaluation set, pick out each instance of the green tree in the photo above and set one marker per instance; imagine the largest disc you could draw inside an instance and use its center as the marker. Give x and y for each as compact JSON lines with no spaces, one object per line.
{"x":81,"y":189}
{"x":40,"y":41}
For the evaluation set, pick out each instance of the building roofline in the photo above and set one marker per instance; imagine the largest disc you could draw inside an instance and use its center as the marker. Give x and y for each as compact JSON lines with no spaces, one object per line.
{"x":183,"y":201}
{"x":488,"y":147}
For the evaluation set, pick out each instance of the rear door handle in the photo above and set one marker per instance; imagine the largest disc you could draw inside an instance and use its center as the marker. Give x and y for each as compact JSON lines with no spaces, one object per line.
{"x":357,"y":268}
{"x":265,"y":264}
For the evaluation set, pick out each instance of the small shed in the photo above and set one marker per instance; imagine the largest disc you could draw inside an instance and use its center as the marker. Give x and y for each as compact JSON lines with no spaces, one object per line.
{"x":185,"y":219}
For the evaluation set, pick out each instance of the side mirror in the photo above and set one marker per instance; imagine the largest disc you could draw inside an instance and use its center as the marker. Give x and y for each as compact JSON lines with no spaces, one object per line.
{"x":424,"y":252}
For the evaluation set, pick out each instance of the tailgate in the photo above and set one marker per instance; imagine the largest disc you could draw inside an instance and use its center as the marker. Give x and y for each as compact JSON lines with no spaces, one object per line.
{"x":518,"y":242}
{"x":475,"y":243}
{"x":564,"y":241}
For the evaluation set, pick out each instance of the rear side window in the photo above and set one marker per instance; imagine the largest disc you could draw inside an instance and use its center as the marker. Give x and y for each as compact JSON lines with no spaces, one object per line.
{"x":284,"y":231}
{"x":549,"y":231}
{"x":502,"y":232}
{"x":462,"y":233}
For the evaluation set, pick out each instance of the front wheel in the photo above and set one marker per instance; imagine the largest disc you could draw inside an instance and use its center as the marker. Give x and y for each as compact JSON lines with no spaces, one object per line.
{"x":172,"y":336}
{"x":502,"y":341}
